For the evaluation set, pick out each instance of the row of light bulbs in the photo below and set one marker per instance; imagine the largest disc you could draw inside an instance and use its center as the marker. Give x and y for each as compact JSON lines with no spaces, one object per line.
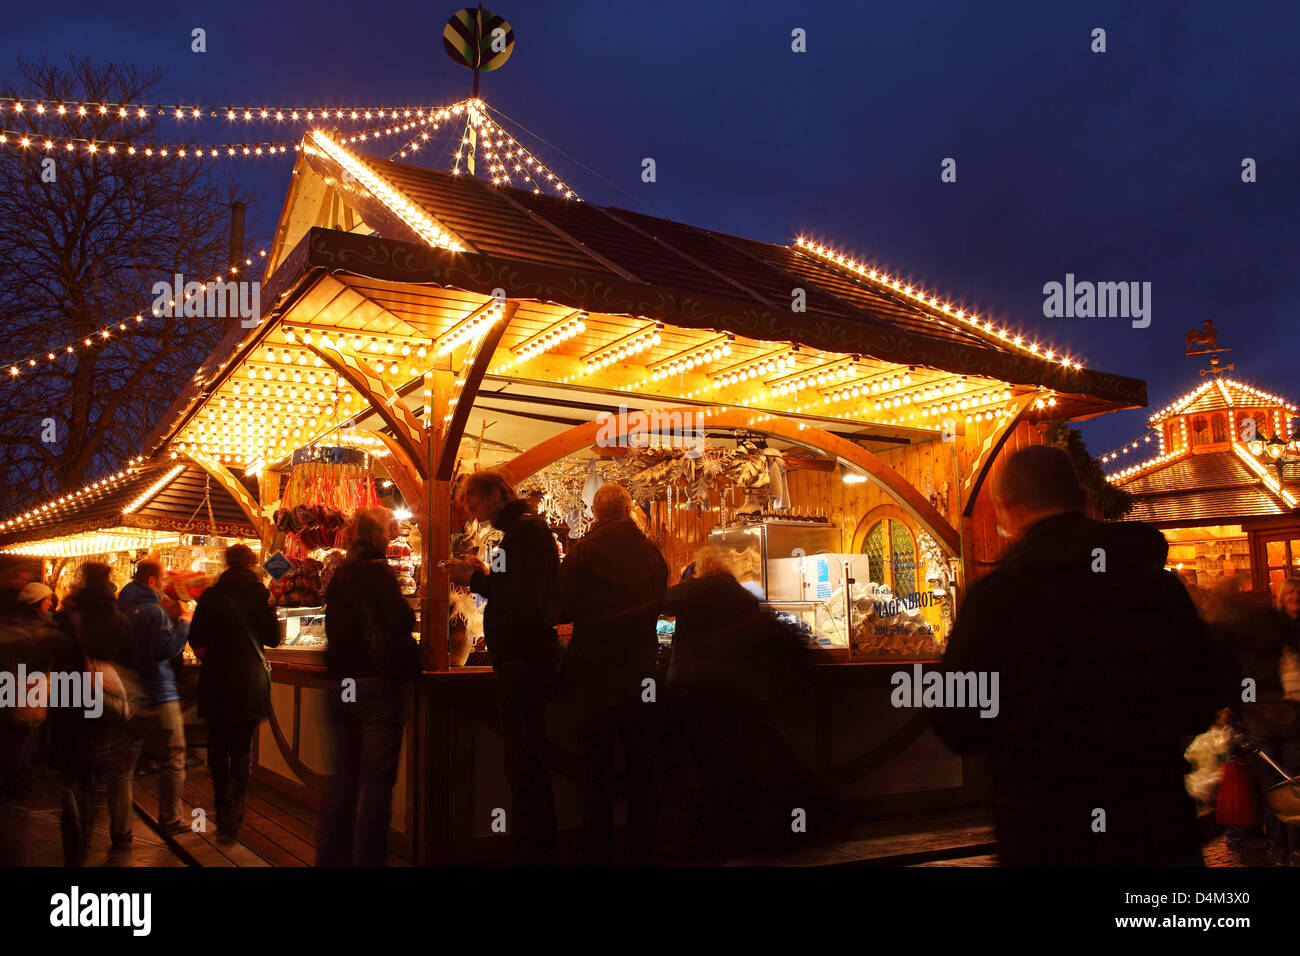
{"x":1179,"y":404}
{"x":1112,"y":455}
{"x":152,"y":490}
{"x":357,"y":344}
{"x":470,"y":329}
{"x":95,"y":488}
{"x":633,"y":346}
{"x":772,"y":365}
{"x":933,"y":302}
{"x":104,"y":333}
{"x":815,"y":378}
{"x":498,"y":169}
{"x":93,"y":147}
{"x":973,"y":402}
{"x":407,"y":211}
{"x":552,"y":338}
{"x":83,"y":545}
{"x":695,"y":359}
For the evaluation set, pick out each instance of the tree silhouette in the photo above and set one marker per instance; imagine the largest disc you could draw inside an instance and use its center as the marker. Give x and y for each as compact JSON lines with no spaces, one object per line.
{"x":83,"y":252}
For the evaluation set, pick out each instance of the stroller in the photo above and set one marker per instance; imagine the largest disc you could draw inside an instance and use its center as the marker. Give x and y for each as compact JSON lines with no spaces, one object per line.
{"x":1282,"y":798}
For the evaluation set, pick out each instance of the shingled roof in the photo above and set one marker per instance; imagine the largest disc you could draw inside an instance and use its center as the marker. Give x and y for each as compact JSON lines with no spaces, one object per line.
{"x":614,"y":261}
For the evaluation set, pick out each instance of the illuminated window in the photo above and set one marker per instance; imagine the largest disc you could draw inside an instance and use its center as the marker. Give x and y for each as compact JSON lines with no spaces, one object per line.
{"x":891,"y":555}
{"x":1200,"y":430}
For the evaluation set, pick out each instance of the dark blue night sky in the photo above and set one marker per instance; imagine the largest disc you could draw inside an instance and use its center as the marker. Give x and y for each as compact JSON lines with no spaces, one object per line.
{"x":1122,"y":166}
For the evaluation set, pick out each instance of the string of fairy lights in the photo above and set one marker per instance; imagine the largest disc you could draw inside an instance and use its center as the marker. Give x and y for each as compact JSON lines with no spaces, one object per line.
{"x":1124,"y":449}
{"x":895,"y":286}
{"x":504,"y":154}
{"x":90,"y":147}
{"x":106,"y":332}
{"x":292,"y":114}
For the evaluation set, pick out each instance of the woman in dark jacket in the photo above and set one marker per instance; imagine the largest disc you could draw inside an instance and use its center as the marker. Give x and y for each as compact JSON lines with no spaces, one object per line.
{"x":81,"y":745}
{"x":234,"y":620}
{"x":372,"y":654}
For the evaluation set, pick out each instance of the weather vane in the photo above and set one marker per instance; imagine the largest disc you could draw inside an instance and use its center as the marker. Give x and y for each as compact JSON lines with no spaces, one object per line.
{"x":1208,"y":340}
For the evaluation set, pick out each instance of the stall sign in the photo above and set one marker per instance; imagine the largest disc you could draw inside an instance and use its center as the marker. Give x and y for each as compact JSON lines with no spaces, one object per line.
{"x":277,"y":565}
{"x":823,"y":579}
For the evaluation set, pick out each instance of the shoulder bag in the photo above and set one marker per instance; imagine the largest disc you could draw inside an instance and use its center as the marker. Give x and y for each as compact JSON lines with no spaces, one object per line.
{"x":252,"y":638}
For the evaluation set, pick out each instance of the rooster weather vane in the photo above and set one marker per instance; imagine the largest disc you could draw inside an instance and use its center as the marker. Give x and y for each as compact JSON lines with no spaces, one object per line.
{"x":1207,"y":337}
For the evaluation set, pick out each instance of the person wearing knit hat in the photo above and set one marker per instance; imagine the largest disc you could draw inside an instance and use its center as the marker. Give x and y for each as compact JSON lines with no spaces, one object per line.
{"x":38,"y":597}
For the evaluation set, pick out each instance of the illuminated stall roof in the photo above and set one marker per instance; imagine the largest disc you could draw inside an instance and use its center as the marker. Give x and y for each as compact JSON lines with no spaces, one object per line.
{"x":1203,"y":473}
{"x":397,"y":264}
{"x":130,"y":509}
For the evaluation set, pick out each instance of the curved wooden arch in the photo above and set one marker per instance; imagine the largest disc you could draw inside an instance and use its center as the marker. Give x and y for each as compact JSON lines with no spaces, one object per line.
{"x":988,"y":453}
{"x":611,"y":426}
{"x":235,"y":488}
{"x":886,"y":510}
{"x":405,"y":475}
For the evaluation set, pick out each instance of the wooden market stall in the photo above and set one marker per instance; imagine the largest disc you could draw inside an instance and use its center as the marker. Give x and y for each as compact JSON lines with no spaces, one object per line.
{"x":461,"y":324}
{"x":172,"y":510}
{"x":1223,"y":484}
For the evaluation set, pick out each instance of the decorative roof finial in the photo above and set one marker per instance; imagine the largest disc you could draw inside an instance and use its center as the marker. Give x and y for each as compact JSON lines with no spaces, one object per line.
{"x":1208,"y":338}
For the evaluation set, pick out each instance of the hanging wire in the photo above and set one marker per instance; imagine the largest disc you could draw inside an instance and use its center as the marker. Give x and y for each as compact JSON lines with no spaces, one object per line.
{"x":550,"y":145}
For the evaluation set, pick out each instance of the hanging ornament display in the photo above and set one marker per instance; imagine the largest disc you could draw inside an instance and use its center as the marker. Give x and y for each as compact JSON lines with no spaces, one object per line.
{"x":326,"y":487}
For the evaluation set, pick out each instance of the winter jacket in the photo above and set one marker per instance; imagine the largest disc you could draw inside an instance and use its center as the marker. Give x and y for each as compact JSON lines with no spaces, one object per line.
{"x":612,"y":583}
{"x":233,"y":683}
{"x":1103,"y":668}
{"x":519,"y":620}
{"x":723,"y":634}
{"x":364,"y":596}
{"x":152,"y":641}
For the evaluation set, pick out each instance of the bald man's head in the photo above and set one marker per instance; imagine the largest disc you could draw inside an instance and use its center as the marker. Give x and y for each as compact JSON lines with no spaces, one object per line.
{"x":1034,"y":483}
{"x":1040,"y":478}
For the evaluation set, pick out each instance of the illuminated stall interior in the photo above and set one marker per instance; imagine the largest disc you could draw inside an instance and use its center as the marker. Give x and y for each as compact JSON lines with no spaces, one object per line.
{"x":1219,"y":484}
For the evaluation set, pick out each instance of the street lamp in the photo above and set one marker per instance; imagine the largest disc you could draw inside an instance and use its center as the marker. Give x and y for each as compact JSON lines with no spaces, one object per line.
{"x":1279,"y":450}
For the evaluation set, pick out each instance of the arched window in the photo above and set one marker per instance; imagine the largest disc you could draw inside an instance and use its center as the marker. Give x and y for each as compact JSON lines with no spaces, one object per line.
{"x":1219,"y":428}
{"x":1200,"y":430}
{"x":891,"y":555}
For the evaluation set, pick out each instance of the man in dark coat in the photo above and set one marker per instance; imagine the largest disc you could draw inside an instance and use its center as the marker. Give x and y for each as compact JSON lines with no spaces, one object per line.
{"x":518,"y":624}
{"x":234,"y":620}
{"x":153,"y":640}
{"x":1103,"y":669}
{"x":373,"y":656}
{"x":612,"y":583}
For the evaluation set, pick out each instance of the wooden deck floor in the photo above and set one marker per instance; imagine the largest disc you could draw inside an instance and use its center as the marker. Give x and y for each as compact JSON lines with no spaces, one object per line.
{"x":30,"y":834}
{"x":277,"y":830}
